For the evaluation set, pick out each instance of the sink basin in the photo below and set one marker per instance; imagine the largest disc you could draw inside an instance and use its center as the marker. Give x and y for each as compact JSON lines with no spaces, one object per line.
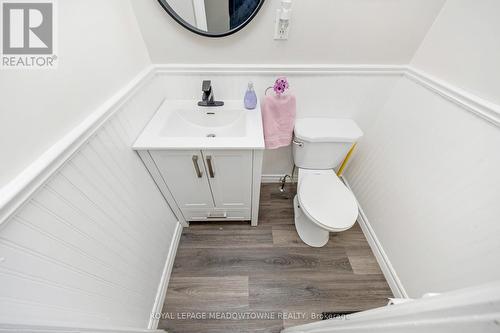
{"x":204,"y":122}
{"x":182,"y":124}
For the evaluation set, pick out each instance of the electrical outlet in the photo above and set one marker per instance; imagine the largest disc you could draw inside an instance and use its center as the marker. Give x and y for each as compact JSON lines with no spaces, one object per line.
{"x":281,"y":25}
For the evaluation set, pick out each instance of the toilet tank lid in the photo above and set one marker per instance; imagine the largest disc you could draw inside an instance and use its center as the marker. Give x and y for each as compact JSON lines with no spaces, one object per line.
{"x":327,"y":130}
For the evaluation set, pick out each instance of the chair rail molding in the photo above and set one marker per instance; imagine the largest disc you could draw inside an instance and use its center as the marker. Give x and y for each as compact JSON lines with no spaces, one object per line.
{"x":466,"y":100}
{"x":20,"y":189}
{"x":61,"y":156}
{"x":90,"y":228}
{"x":470,"y":102}
{"x":304,"y":69}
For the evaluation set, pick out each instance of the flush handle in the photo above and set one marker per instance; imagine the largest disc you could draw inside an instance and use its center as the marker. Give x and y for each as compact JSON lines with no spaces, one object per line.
{"x":210,"y":167}
{"x":196,"y":166}
{"x":298,"y":143}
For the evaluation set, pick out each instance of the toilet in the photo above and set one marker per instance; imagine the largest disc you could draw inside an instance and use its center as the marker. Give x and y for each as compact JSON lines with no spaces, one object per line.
{"x":323,"y":203}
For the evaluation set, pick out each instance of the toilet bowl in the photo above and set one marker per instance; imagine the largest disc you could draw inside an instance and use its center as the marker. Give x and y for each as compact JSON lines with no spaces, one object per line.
{"x":323,"y":203}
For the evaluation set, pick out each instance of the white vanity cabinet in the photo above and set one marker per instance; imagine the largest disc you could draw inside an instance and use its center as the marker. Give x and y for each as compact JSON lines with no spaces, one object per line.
{"x":185,"y":175}
{"x":206,"y":161}
{"x":210,"y":184}
{"x":230,"y":175}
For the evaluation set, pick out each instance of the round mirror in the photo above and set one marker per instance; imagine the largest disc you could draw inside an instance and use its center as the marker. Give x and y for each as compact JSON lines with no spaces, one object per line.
{"x":212,"y":18}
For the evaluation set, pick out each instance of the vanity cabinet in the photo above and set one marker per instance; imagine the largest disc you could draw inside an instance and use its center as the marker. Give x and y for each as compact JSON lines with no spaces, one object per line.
{"x":190,"y":190}
{"x":209,"y":184}
{"x":206,"y":161}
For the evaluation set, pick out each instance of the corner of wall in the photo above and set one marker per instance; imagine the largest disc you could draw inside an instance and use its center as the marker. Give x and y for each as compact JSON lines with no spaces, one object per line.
{"x":136,"y":20}
{"x":438,"y":14}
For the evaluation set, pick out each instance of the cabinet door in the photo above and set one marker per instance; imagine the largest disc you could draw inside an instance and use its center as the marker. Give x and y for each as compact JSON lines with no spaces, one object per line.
{"x":230,"y":176}
{"x":186,"y":177}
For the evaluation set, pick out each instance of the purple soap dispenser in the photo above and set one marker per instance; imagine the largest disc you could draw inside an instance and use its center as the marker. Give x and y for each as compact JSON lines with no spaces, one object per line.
{"x":250,"y":99}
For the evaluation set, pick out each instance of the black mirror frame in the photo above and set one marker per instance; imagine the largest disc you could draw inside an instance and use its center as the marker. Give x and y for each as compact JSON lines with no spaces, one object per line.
{"x":188,"y":26}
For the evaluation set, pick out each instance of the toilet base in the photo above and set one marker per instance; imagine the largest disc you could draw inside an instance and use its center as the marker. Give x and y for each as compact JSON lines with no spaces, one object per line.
{"x":308,"y":231}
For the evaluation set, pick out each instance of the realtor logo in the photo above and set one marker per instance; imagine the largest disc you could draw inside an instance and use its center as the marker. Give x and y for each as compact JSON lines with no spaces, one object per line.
{"x":28,"y":34}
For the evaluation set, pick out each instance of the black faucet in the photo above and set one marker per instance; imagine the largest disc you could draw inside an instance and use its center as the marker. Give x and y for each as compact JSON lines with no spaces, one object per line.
{"x":207,"y":99}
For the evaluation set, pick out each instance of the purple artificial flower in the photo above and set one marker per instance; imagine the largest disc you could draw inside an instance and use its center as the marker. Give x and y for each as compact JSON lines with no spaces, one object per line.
{"x":280,"y":85}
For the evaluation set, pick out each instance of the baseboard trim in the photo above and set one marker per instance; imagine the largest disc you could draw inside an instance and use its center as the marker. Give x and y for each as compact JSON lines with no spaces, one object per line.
{"x":274,"y":178}
{"x":167,"y":270}
{"x":390,"y":274}
{"x":271,"y":178}
{"x":17,"y":192}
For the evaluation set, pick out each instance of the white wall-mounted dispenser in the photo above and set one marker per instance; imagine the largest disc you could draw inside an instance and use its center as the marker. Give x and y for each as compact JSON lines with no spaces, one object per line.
{"x":282,"y":23}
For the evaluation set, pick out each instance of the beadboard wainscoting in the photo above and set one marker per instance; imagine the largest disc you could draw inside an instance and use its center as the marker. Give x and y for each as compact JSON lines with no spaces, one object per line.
{"x":390,"y":274}
{"x":90,"y":246}
{"x":343,"y":91}
{"x":427,"y":180}
{"x":87,"y":239}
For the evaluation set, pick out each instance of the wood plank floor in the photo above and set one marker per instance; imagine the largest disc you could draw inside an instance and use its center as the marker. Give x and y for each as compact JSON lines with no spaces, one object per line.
{"x":231,"y":277}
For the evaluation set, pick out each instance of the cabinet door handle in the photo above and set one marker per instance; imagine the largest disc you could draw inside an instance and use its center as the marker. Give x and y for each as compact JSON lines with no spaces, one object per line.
{"x":196,"y":166}
{"x":210,"y":166}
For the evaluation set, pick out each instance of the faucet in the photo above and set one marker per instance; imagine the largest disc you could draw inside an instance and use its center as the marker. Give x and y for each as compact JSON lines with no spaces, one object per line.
{"x":207,"y":99}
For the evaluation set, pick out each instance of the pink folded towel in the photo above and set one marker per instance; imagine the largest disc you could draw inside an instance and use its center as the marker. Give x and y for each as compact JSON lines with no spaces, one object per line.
{"x":278,"y":117}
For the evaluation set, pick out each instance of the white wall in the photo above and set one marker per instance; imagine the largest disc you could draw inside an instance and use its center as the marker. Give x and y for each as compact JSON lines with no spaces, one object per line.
{"x":463,"y":48}
{"x":100,"y":49}
{"x":89,"y":248}
{"x":357,"y":95}
{"x":424,"y":172}
{"x":427,"y":174}
{"x":323,"y":31}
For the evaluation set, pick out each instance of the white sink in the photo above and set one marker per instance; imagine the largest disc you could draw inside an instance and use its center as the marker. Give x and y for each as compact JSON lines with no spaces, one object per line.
{"x":182,"y":124}
{"x":204,"y":122}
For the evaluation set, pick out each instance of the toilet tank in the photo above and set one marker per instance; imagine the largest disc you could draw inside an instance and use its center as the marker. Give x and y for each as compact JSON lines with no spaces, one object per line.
{"x":323,"y":143}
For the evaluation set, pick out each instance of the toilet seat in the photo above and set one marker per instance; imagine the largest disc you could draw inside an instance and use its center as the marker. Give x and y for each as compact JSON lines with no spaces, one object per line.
{"x":325,"y":200}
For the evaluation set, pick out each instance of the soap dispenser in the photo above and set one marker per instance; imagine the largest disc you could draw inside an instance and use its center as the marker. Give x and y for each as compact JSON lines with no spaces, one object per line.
{"x":250,"y":99}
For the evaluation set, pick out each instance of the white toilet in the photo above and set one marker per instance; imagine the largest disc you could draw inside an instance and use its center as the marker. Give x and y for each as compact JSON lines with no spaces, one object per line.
{"x":323,"y":203}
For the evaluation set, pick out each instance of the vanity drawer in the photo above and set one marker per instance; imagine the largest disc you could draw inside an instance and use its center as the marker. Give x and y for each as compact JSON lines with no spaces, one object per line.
{"x":217,"y":214}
